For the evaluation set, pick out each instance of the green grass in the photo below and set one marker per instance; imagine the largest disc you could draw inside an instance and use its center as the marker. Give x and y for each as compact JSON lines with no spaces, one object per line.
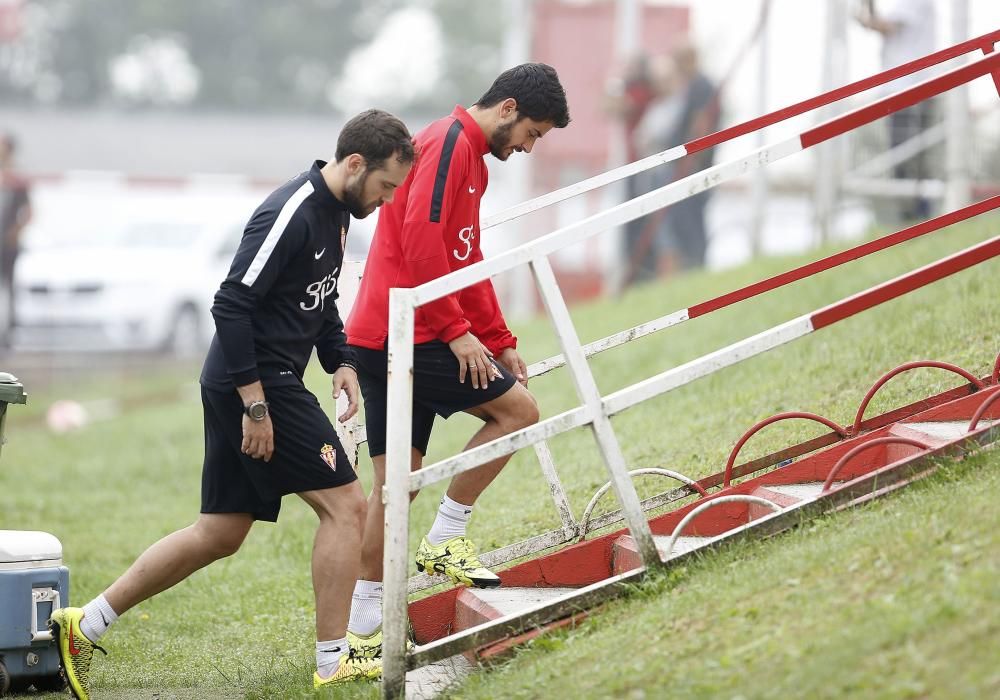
{"x":244,"y":626}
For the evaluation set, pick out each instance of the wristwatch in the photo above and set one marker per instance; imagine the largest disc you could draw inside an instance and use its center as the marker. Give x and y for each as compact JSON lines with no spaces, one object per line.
{"x":256,"y":410}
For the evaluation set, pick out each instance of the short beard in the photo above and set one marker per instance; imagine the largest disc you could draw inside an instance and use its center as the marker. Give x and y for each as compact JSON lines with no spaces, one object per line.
{"x":500,"y":140}
{"x":352,"y":198}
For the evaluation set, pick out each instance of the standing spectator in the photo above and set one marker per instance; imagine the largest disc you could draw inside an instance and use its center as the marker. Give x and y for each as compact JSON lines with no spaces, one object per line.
{"x":651,"y":249}
{"x":699,"y":117}
{"x":908,"y":29}
{"x":628,"y":99}
{"x":15,"y":213}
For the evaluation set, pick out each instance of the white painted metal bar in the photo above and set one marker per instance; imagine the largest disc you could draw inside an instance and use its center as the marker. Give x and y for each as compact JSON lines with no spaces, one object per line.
{"x":602,"y":221}
{"x":878,"y":187}
{"x":556,"y":490}
{"x":707,"y":364}
{"x":612,"y":341}
{"x":584,"y":186}
{"x":478,"y":456}
{"x":396,"y":494}
{"x":590,"y":395}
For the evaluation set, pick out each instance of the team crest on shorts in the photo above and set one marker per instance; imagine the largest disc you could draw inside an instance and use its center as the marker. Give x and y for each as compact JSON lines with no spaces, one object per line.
{"x":329,"y":455}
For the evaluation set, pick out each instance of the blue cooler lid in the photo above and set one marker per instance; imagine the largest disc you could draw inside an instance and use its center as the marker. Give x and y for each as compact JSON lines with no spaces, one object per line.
{"x":27,"y":549}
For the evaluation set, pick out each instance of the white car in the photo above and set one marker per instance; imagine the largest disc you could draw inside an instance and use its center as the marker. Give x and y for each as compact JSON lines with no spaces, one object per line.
{"x":146,"y":285}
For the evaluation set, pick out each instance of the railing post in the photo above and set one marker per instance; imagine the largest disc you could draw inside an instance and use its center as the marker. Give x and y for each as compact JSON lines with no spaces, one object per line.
{"x":590,"y":396}
{"x":396,"y":493}
{"x":556,"y":489}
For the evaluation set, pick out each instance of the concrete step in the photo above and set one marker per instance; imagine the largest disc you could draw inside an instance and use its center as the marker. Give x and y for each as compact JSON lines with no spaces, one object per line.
{"x":474,"y":606}
{"x":430,"y":681}
{"x":943,"y":431}
{"x":625,"y":555}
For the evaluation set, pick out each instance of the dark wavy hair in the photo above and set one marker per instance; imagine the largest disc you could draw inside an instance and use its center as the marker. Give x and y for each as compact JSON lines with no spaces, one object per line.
{"x":536,"y":87}
{"x":375,"y":135}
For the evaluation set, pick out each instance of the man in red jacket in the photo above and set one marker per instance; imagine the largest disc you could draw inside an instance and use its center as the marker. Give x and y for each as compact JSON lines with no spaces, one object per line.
{"x":465,"y":357}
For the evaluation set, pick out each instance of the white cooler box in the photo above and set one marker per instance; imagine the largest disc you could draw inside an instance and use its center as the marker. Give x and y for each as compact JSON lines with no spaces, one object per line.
{"x":33,"y":583}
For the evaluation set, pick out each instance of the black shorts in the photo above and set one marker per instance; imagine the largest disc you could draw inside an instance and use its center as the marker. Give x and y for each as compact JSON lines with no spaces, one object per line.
{"x":436,"y":390}
{"x":307,"y":455}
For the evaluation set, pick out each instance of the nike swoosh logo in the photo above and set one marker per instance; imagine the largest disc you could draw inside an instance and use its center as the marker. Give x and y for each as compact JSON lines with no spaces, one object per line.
{"x":319,"y":254}
{"x":105,"y":620}
{"x":472,"y":190}
{"x":73,"y":648}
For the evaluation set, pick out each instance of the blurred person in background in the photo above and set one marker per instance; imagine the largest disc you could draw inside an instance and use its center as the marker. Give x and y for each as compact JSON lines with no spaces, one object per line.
{"x":651,"y":250}
{"x":909,"y":31}
{"x":699,"y":117}
{"x":465,"y":357}
{"x":627,"y":97}
{"x":15,"y":213}
{"x":266,"y":435}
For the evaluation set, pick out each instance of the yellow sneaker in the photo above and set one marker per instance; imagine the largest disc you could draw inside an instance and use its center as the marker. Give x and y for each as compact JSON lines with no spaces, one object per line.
{"x":351,"y":668}
{"x":75,"y":651}
{"x":458,"y":560}
{"x":369,"y":646}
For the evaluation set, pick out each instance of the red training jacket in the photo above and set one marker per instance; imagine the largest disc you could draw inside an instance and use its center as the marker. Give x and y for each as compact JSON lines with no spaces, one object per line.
{"x":430,"y":229}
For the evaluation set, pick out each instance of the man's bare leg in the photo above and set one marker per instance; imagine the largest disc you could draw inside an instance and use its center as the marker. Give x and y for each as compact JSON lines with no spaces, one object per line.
{"x":178,"y":555}
{"x":336,"y":557}
{"x":504,"y":415}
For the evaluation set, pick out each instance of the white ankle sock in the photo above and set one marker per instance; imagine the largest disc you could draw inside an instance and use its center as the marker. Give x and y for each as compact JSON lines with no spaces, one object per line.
{"x":97,"y":618}
{"x":452,"y":518}
{"x":328,"y":655}
{"x":366,"y":607}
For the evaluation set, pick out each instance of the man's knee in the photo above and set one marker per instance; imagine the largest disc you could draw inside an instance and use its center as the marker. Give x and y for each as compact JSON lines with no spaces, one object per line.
{"x":344,"y":505}
{"x":222,"y":536}
{"x":520,"y":410}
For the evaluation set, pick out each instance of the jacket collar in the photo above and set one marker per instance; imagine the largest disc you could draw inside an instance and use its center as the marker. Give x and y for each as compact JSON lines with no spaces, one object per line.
{"x":472,"y":130}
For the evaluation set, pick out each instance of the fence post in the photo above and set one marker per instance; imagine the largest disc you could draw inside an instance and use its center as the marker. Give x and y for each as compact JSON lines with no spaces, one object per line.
{"x":590,"y":396}
{"x":396,"y":494}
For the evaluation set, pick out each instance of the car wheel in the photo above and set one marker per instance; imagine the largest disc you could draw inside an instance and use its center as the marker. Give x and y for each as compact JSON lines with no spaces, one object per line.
{"x":185,"y":334}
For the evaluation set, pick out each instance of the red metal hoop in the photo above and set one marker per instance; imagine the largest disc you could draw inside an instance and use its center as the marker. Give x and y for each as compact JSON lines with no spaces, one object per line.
{"x":856,"y":427}
{"x":858,"y":449}
{"x":774,"y":419}
{"x":982,"y":410}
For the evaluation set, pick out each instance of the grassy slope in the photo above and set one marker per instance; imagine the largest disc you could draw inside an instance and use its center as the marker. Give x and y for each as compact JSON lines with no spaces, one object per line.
{"x":246,"y":623}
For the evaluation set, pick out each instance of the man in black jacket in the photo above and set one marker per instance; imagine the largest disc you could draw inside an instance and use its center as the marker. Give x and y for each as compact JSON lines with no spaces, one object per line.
{"x":265,"y":433}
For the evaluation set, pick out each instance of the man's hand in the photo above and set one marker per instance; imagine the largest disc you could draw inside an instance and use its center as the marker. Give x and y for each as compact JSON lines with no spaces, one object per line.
{"x":346,"y":379}
{"x":258,"y":438}
{"x":511,"y":359}
{"x":474,"y":359}
{"x":258,"y":435}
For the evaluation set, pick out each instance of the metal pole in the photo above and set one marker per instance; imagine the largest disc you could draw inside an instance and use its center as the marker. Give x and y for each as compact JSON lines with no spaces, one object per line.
{"x":958,"y":154}
{"x":517,"y":171}
{"x":627,"y":25}
{"x":759,"y":188}
{"x":827,"y":160}
{"x":396,"y":494}
{"x":586,"y":389}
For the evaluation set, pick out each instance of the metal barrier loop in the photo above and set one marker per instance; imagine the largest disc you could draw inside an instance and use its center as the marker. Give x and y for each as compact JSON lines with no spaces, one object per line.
{"x":981,"y":411}
{"x":711,"y":504}
{"x":585,"y":520}
{"x":766,"y":422}
{"x":856,"y":427}
{"x":858,"y":449}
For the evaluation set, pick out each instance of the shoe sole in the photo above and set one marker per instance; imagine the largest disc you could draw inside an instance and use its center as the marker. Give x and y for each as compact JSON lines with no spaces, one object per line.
{"x":56,"y":629}
{"x":471,"y":583}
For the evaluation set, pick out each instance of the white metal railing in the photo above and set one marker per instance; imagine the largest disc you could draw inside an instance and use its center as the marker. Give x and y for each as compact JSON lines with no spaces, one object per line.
{"x":594,"y":410}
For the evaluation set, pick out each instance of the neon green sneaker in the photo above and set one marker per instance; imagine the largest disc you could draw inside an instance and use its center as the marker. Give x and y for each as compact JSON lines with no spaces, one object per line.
{"x":75,"y":651}
{"x":351,"y":668}
{"x":369,"y":646}
{"x":458,"y":560}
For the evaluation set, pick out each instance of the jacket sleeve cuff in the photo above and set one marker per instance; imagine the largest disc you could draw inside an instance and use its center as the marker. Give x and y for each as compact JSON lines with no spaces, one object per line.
{"x":453,"y":330}
{"x":499,"y":345}
{"x":245,"y":377}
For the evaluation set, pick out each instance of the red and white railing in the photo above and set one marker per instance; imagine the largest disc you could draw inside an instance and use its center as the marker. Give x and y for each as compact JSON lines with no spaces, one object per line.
{"x":595,"y":410}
